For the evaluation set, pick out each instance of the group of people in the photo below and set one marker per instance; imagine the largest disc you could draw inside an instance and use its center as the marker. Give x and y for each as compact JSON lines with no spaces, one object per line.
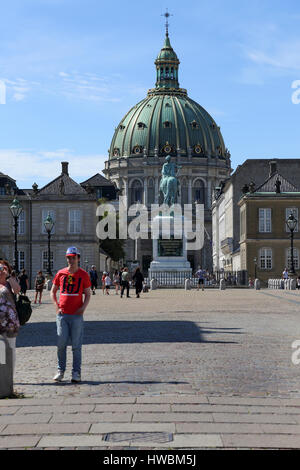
{"x":120,"y":281}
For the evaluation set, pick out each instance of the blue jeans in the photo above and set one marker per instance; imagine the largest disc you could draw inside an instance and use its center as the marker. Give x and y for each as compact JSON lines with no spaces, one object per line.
{"x":69,"y":326}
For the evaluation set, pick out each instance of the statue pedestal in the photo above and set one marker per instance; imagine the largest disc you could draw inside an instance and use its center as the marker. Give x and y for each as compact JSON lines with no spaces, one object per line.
{"x":169,"y":265}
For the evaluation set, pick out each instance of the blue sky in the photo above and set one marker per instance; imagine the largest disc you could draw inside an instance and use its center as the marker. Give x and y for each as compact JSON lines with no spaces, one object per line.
{"x":73,"y":68}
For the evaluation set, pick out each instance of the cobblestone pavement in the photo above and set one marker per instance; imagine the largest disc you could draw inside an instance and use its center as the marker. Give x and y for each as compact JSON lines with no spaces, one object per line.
{"x":212,"y":368}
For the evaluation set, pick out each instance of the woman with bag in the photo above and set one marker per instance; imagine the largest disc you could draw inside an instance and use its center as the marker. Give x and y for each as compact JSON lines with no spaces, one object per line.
{"x":39,"y":286}
{"x":9,"y":322}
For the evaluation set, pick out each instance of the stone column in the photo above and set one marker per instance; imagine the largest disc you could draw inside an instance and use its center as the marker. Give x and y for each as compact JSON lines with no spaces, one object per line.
{"x":156,"y":186}
{"x":190,"y":190}
{"x":208,"y":196}
{"x":146,"y":191}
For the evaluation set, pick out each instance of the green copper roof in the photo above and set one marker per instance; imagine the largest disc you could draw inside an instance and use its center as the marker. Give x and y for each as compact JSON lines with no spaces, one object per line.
{"x":167,"y":121}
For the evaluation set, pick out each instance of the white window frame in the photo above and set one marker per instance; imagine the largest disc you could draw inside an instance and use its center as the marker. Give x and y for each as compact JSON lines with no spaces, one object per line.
{"x":45,"y":260}
{"x":45,"y":213}
{"x":21,"y":260}
{"x":288,"y":211}
{"x":266,"y":258}
{"x":265,"y":220}
{"x":288,"y":258}
{"x":74,"y":221}
{"x":21,"y":223}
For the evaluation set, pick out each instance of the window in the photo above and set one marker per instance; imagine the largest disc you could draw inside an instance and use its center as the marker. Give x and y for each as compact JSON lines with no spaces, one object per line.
{"x":265,"y":258}
{"x":74,"y":221}
{"x":21,"y":260}
{"x":289,"y":258}
{"x":199,"y":192}
{"x":288,"y":211}
{"x":136,"y":192}
{"x":265,"y":220}
{"x":45,"y":260}
{"x":45,"y":213}
{"x":2,"y":191}
{"x":21,"y":223}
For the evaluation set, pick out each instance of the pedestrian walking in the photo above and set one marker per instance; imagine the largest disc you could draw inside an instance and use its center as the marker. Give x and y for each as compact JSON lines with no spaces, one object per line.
{"x":298,"y":282}
{"x":94,"y":278}
{"x":125,"y":282}
{"x":103,"y":281}
{"x":9,"y":321}
{"x":116,"y":281}
{"x":39,"y":286}
{"x":285,"y":274}
{"x":201,"y":273}
{"x":24,"y":283}
{"x":138,"y":278}
{"x":74,"y":284}
{"x":107,"y":283}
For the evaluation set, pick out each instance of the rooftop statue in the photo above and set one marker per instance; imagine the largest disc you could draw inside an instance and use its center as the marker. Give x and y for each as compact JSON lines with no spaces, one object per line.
{"x":169,"y":183}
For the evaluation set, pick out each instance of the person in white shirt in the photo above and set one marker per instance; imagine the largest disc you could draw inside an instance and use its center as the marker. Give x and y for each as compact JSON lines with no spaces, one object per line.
{"x":107,"y":283}
{"x":285,"y":274}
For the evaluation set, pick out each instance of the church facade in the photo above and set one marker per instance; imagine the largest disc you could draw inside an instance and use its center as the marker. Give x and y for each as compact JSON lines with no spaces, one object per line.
{"x":168,"y":122}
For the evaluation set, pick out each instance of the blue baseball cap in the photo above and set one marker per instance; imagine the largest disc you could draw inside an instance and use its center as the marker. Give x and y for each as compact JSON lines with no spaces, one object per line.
{"x":72,"y":251}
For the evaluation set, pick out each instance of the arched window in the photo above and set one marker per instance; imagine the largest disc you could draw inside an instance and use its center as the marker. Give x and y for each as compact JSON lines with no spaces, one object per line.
{"x":199,"y":192}
{"x":136,"y":192}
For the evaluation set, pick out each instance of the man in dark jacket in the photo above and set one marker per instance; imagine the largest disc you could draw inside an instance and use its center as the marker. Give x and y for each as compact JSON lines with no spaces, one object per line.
{"x":94,"y":278}
{"x":138,"y":278}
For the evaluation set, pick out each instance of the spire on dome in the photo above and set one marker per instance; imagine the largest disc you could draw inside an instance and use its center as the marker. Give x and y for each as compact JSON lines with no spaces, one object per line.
{"x":167,"y":63}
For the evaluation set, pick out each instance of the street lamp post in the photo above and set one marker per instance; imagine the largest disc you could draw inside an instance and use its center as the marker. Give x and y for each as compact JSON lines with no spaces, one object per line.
{"x":292,"y":224}
{"x":16,"y":209}
{"x":49,"y":224}
{"x":255,"y":267}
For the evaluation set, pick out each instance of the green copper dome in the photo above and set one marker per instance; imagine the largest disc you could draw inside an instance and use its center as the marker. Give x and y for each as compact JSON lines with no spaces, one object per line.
{"x":167,"y":121}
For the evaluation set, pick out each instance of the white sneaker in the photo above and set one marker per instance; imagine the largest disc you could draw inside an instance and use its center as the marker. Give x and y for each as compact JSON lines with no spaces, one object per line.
{"x":76,"y":377}
{"x":59,"y":376}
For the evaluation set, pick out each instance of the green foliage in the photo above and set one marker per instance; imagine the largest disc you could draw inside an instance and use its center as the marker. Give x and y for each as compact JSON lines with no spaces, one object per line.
{"x":114,"y":248}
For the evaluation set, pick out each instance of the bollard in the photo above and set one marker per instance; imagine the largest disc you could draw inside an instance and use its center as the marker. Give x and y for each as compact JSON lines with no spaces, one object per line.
{"x":257,"y":284}
{"x":6,"y":369}
{"x":293,"y":284}
{"x":222,"y":284}
{"x":153,"y":284}
{"x":187,"y":284}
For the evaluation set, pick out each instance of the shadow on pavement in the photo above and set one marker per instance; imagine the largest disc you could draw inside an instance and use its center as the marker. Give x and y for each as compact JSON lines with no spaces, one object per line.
{"x":124,"y":332}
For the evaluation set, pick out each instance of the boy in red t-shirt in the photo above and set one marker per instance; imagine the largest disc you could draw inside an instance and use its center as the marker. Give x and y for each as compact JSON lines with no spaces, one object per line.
{"x":74,"y":284}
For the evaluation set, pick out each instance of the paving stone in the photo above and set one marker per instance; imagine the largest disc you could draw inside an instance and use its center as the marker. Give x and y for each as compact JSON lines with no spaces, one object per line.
{"x":99,"y":400}
{"x":24,"y":419}
{"x":219,"y":428}
{"x":92,"y":418}
{"x":77,"y":441}
{"x":262,"y":441}
{"x":281,"y":428}
{"x":9,"y":442}
{"x":172,"y":417}
{"x":238,"y":400}
{"x":185,"y":441}
{"x":253,"y":418}
{"x":134,"y":408}
{"x":49,"y":428}
{"x":104,"y":428}
{"x":56,"y":409}
{"x":9,"y":410}
{"x":173,"y":399}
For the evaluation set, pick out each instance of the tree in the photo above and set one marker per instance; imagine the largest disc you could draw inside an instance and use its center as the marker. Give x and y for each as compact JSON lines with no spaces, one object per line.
{"x":114,"y":248}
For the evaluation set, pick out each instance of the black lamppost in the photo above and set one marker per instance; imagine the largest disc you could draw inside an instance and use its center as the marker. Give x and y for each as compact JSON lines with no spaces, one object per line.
{"x":16,"y":209}
{"x":292,"y":224}
{"x":255,"y":267}
{"x":49,"y":224}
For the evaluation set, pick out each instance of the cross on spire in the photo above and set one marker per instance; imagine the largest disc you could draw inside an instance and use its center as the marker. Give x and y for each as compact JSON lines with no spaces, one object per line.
{"x":167,"y":15}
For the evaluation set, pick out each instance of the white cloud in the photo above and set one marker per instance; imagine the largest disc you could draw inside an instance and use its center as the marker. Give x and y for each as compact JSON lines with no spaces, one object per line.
{"x":29,"y":166}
